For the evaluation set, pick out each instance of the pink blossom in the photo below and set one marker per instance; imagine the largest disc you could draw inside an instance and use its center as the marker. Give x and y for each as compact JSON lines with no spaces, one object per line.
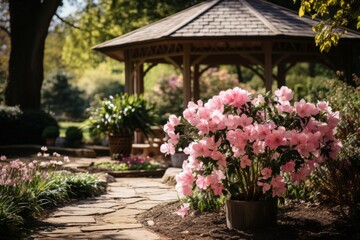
{"x":217,"y":188}
{"x":278,"y":186}
{"x":39,"y":154}
{"x":201,"y":182}
{"x":66,"y":159}
{"x":174,"y":120}
{"x":259,"y":147}
{"x":55,"y":154}
{"x":245,"y":161}
{"x":265,"y":186}
{"x":288,"y":167}
{"x":266,"y":172}
{"x":167,"y":148}
{"x":3,"y":158}
{"x":184,"y":210}
{"x":284,"y":94}
{"x":275,"y":139}
{"x":305,"y":109}
{"x":44,"y":149}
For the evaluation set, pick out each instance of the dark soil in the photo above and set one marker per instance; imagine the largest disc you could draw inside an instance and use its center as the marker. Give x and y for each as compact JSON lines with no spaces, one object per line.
{"x":295,"y":221}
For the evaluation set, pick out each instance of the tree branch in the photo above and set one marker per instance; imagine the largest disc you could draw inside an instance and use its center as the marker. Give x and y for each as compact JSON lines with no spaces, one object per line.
{"x":6,"y":30}
{"x":67,"y":22}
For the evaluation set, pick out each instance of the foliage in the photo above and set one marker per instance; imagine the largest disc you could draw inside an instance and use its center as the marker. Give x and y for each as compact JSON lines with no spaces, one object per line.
{"x":129,"y":163}
{"x":73,"y":136}
{"x":249,"y":148}
{"x":122,"y":114}
{"x":333,"y":15}
{"x":27,"y":189}
{"x":59,"y":97}
{"x":26,"y":127}
{"x":344,"y":171}
{"x":50,"y":132}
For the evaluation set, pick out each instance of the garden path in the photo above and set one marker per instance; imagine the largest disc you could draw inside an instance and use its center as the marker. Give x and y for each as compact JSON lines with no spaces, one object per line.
{"x":112,"y":215}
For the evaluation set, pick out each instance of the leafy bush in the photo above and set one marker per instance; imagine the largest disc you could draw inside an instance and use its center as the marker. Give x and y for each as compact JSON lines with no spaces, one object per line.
{"x":50,"y":132}
{"x":73,"y":136}
{"x":339,"y":180}
{"x":129,"y":163}
{"x":26,"y":127}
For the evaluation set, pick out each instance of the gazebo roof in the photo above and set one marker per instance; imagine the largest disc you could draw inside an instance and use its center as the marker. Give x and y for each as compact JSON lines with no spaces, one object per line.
{"x":222,"y":18}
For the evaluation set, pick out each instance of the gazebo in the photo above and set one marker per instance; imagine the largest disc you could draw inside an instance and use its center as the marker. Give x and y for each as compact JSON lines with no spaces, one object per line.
{"x":240,"y":32}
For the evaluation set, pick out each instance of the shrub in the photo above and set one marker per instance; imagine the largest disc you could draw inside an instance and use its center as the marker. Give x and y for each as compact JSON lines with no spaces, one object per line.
{"x":51,"y":132}
{"x":26,"y":127}
{"x":73,"y":136}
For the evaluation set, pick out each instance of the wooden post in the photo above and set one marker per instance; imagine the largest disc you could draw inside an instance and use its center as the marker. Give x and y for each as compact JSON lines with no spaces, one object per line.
{"x":196,"y":83}
{"x":186,"y":75}
{"x":129,"y":68}
{"x":281,"y":74}
{"x":268,"y":65}
{"x":139,"y":78}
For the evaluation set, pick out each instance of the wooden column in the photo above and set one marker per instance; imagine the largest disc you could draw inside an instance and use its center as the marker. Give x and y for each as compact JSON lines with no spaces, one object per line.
{"x":139,"y":78}
{"x":186,"y":75}
{"x":267,"y":46}
{"x":196,"y":83}
{"x":281,"y":74}
{"x":129,"y":73}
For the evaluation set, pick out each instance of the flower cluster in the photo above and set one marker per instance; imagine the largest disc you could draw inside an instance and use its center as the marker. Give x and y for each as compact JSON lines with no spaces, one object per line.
{"x":251,"y":148}
{"x":18,"y":172}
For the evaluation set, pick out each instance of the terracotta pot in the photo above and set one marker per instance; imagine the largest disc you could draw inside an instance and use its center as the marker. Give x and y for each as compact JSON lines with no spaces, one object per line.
{"x":177,"y":159}
{"x":251,"y":215}
{"x":120,"y":144}
{"x":50,"y":142}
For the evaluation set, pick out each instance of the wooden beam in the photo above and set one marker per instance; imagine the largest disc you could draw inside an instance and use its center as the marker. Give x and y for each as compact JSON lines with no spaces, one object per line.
{"x":139,"y":78}
{"x":186,"y":75}
{"x":268,"y":65}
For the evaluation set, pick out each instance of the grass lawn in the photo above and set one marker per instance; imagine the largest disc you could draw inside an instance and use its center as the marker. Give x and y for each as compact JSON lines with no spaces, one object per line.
{"x":81,"y":125}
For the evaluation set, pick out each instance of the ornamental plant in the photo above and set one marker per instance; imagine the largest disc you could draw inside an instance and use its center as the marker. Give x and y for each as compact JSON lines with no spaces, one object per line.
{"x":248,"y":147}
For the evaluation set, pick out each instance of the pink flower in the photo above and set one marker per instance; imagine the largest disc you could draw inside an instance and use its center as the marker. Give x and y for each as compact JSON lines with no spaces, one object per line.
{"x":55,"y":154}
{"x":174,"y":120}
{"x":265,"y":186}
{"x":3,"y":158}
{"x":305,"y":109}
{"x":39,"y":154}
{"x":278,"y":186}
{"x":288,"y":167}
{"x":201,"y":182}
{"x":266,"y":172}
{"x":284,"y":94}
{"x":66,"y":159}
{"x":184,"y":210}
{"x":245,"y":161}
{"x":217,"y":188}
{"x":167,"y":148}
{"x":275,"y":139}
{"x":44,"y":149}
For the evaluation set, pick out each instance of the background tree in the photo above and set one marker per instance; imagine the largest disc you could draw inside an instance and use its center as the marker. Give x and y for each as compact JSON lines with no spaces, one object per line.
{"x":333,"y":15}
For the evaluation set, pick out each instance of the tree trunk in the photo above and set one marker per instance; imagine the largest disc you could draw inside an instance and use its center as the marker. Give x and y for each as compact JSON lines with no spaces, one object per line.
{"x":29,"y":24}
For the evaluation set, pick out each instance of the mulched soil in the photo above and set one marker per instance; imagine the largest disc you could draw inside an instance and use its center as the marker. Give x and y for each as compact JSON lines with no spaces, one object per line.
{"x":296,"y":220}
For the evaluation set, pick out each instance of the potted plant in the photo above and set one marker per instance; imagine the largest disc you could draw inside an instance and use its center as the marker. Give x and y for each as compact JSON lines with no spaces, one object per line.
{"x":119,"y":117}
{"x":177,"y":153}
{"x":247,"y":150}
{"x":49,"y":134}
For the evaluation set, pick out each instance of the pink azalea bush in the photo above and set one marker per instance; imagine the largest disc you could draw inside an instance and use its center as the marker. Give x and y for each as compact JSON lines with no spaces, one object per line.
{"x":248,"y":147}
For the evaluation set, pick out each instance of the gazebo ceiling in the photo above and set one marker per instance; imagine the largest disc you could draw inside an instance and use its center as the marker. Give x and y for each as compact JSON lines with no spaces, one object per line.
{"x":245,"y":20}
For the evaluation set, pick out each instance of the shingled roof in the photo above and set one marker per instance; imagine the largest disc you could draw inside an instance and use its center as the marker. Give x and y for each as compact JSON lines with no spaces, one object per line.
{"x":219,"y":18}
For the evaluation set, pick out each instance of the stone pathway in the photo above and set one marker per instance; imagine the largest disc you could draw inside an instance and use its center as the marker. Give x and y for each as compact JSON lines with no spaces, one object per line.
{"x":112,"y":215}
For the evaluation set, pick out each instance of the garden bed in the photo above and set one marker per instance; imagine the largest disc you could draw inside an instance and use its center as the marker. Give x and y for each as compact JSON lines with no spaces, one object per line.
{"x":295,"y":221}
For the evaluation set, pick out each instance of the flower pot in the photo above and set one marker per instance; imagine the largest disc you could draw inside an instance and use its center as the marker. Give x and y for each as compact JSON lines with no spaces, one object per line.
{"x":50,"y":142}
{"x":251,"y":215}
{"x":120,"y":144}
{"x":177,"y":159}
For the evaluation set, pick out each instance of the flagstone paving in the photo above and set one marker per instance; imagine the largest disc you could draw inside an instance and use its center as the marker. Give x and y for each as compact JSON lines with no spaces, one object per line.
{"x":112,"y":215}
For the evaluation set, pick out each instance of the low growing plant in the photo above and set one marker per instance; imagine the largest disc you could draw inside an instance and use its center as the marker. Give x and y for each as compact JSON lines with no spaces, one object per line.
{"x":129,"y":163}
